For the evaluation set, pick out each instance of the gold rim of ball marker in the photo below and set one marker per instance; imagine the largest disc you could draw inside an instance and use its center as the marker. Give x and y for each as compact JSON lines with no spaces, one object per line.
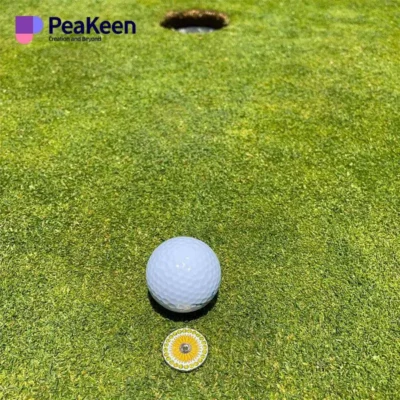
{"x":185,"y":349}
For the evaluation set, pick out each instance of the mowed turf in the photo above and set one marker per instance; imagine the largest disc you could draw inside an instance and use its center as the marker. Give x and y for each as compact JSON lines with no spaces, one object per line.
{"x":276,"y":141}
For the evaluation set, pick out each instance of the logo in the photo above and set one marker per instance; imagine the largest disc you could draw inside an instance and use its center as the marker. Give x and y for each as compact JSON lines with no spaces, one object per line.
{"x":70,"y":31}
{"x":26,"y":27}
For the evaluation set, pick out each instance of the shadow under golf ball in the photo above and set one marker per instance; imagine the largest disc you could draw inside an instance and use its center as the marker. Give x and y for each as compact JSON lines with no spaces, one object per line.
{"x":174,"y":316}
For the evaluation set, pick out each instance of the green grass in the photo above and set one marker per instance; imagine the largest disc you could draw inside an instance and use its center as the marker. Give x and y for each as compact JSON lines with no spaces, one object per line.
{"x":276,"y":141}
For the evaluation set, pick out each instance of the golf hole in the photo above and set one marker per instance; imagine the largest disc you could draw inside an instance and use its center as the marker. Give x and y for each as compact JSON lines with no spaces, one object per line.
{"x":195,"y":21}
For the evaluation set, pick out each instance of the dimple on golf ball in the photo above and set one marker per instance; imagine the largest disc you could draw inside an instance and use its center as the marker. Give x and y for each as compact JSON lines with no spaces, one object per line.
{"x":183,"y":274}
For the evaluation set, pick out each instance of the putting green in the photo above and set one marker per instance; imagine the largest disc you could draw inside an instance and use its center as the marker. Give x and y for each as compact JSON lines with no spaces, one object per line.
{"x":274,"y":140}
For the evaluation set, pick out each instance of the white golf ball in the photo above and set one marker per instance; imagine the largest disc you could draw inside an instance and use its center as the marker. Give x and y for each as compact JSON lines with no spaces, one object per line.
{"x":183,"y":274}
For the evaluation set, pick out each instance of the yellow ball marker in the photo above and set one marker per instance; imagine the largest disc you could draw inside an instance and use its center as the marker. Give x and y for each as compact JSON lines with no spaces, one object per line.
{"x":185,"y":349}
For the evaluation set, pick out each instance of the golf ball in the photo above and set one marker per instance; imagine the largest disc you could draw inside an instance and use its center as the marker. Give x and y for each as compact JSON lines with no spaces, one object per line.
{"x":183,"y":274}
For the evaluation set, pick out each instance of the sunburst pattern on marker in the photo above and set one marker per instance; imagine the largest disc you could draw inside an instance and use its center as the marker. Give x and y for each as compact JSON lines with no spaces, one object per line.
{"x":185,"y":349}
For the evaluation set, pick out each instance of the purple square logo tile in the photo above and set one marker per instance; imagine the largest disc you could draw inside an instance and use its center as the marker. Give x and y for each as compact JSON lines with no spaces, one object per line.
{"x":23,"y":24}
